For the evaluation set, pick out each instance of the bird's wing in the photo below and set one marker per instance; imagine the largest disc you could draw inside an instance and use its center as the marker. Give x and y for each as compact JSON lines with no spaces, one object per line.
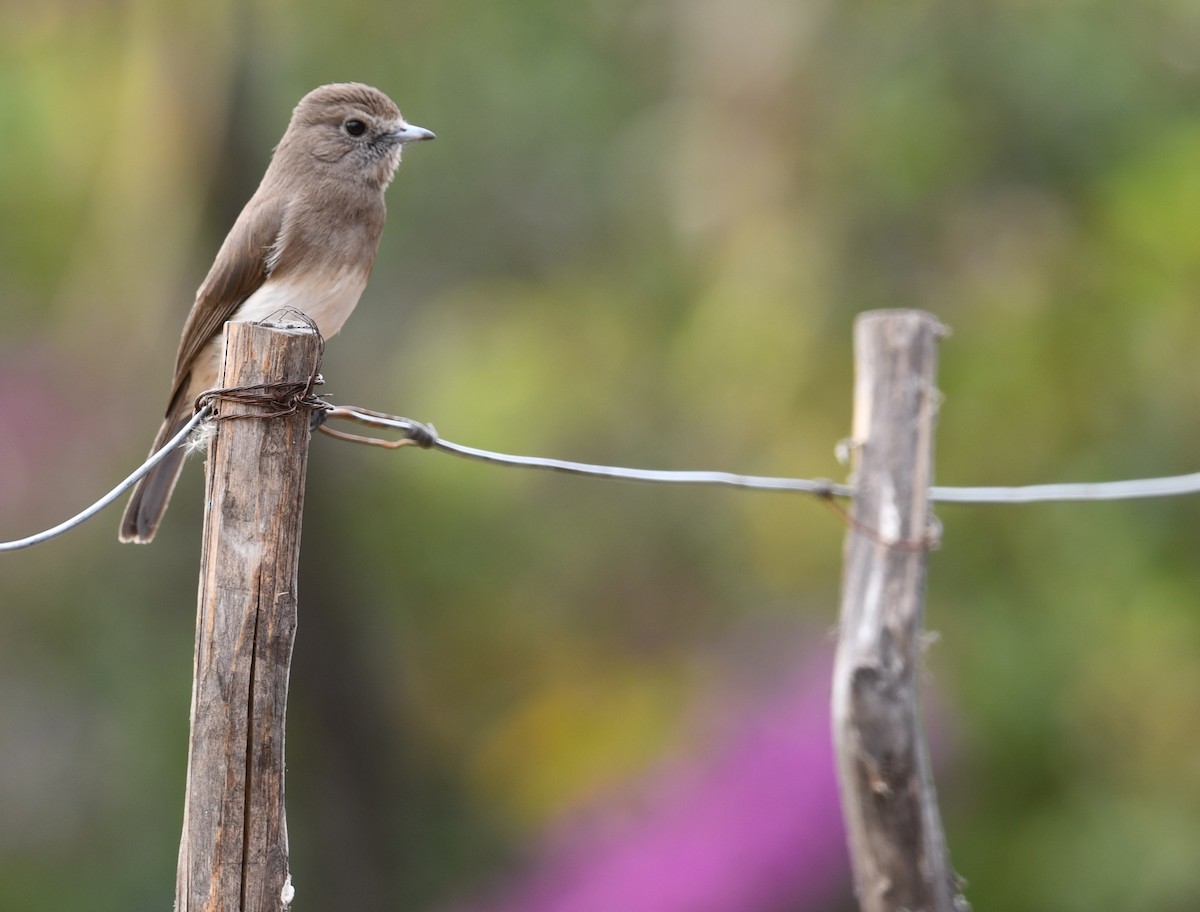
{"x":243,"y":264}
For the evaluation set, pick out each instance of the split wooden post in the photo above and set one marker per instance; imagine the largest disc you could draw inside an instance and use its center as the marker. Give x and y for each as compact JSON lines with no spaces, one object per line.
{"x":233,"y":856}
{"x":897,"y":847}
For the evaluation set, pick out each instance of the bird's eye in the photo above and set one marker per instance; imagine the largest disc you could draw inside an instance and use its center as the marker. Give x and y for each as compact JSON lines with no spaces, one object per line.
{"x":354,"y":127}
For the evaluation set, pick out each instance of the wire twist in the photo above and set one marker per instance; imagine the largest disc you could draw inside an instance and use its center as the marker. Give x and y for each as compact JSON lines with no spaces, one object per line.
{"x":275,"y":400}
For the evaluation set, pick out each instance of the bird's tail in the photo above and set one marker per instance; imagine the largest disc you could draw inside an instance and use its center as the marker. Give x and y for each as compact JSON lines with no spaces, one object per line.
{"x":150,"y":496}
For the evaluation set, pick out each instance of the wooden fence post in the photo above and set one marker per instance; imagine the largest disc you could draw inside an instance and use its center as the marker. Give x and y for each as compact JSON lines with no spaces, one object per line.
{"x":897,"y":846}
{"x":233,"y":856}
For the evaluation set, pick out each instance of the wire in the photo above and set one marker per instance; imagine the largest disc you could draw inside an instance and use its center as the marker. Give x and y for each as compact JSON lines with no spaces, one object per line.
{"x":1170,"y":486}
{"x":116,"y":492}
{"x":819,"y":487}
{"x":414,"y":433}
{"x":426,"y":437}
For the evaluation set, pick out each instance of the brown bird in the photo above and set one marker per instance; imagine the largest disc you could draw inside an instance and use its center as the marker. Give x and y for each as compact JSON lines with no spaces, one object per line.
{"x":305,"y":240}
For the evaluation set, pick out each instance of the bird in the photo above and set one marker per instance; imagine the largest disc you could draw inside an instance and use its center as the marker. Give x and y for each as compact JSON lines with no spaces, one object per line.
{"x":305,"y":240}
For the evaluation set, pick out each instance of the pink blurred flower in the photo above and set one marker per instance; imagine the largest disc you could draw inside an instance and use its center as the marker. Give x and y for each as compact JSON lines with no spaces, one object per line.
{"x":754,"y":827}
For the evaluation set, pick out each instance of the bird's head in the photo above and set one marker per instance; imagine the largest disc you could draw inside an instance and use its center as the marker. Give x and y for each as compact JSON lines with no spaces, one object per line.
{"x":353,"y":129}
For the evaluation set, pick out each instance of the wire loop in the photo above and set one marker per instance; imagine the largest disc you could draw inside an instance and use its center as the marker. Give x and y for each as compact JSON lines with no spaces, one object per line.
{"x":274,"y":399}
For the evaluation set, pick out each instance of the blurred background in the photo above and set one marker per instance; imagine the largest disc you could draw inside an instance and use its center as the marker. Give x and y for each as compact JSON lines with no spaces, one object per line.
{"x":641,"y":237}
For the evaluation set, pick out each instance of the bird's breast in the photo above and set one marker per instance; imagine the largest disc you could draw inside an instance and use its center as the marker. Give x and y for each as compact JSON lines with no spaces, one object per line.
{"x":325,"y":296}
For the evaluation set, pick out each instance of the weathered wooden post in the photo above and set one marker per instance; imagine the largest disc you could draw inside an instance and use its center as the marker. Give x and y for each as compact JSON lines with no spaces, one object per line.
{"x":897,"y":847}
{"x":233,"y":856}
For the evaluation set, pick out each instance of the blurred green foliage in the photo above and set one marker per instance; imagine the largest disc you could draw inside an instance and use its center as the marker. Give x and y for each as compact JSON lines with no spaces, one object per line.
{"x":641,"y":237}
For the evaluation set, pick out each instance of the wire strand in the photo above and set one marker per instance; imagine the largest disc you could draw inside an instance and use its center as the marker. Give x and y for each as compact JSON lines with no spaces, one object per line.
{"x":818,"y":487}
{"x":426,"y":437}
{"x":1135,"y":489}
{"x":112,"y":495}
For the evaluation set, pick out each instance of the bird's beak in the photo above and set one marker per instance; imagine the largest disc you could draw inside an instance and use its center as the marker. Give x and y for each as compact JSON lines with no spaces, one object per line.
{"x":412,"y":133}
